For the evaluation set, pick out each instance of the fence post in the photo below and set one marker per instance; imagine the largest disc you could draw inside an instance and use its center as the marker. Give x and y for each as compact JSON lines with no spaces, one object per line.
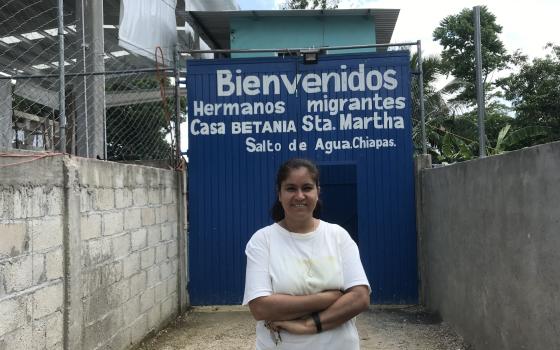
{"x":177,"y":107}
{"x":479,"y":87}
{"x":421,"y":97}
{"x":61,"y":82}
{"x":5,"y":114}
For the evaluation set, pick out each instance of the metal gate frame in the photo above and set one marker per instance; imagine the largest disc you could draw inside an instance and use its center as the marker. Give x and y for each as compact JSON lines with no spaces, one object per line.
{"x":312,"y":53}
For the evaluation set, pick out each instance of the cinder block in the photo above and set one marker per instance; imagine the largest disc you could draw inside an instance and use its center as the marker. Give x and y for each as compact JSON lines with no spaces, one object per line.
{"x":123,"y":288}
{"x":54,"y":267}
{"x":157,"y":215}
{"x":90,"y":226}
{"x":98,"y":333}
{"x":154,"y":235}
{"x":47,"y":331}
{"x":168,"y":231}
{"x":131,"y":310}
{"x":154,"y":196}
{"x":19,"y":204}
{"x":171,"y":285}
{"x":132,"y":218}
{"x":166,"y":269}
{"x":131,"y":265}
{"x":121,"y":245}
{"x":119,"y":176}
{"x":14,"y":239}
{"x":140,"y":176}
{"x":97,"y":251}
{"x":139,"y":197}
{"x":169,"y":195}
{"x":138,"y":283}
{"x":86,"y":200}
{"x":6,"y":203}
{"x":102,"y":302}
{"x":168,"y":179}
{"x":39,"y":268}
{"x":101,"y":277}
{"x":160,"y":291}
{"x":148,"y":216}
{"x":57,"y":346}
{"x":161,"y":253}
{"x":105,"y":199}
{"x":16,"y":274}
{"x":46,"y":233}
{"x":54,"y":330}
{"x":36,"y":202}
{"x":153,"y":276}
{"x":54,"y":201}
{"x":47,"y":300}
{"x":169,"y":306}
{"x":139,"y":239}
{"x":123,"y":198}
{"x":172,"y":249}
{"x":147,"y":258}
{"x":113,"y":223}
{"x":147,"y":299}
{"x":139,"y":328}
{"x":161,"y":214}
{"x":154,"y":317}
{"x":172,"y":213}
{"x":14,"y":313}
{"x":39,"y":330}
{"x":121,"y":340}
{"x":20,"y":339}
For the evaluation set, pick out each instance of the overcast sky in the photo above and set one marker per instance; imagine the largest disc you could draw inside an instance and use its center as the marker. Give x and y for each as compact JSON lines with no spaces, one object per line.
{"x":527,"y":25}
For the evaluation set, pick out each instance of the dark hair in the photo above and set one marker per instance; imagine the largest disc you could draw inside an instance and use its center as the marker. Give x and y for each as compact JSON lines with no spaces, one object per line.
{"x":277,"y":212}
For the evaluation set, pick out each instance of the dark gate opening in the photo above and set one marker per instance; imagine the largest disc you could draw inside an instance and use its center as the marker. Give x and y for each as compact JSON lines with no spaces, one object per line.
{"x":339,"y":197}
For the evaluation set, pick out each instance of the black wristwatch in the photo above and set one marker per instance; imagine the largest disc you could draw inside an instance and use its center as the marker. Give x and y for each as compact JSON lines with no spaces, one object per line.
{"x":317,"y":320}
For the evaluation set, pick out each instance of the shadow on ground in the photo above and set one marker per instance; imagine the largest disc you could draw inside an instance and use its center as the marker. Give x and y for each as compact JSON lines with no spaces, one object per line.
{"x":380,"y":328}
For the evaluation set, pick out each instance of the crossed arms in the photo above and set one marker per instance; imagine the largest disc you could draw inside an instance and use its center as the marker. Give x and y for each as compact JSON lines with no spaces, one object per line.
{"x":291,"y":312}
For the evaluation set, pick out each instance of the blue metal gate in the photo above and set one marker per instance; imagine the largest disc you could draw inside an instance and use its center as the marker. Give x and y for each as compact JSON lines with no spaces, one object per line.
{"x":350,"y":113}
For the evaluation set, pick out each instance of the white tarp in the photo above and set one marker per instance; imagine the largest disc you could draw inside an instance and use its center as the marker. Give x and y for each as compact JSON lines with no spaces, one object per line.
{"x":147,"y":24}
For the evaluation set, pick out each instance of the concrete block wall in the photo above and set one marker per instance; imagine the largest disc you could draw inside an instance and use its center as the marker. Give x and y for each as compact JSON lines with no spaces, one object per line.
{"x":89,"y":253}
{"x":31,"y":257}
{"x":489,"y":248}
{"x":129,"y":261}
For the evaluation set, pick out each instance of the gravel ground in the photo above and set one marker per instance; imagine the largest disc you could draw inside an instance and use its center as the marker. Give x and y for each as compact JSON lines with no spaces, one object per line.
{"x":380,"y":328}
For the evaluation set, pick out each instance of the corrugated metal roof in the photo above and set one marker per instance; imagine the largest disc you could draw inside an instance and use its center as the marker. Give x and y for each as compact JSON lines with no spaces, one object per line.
{"x":214,"y":26}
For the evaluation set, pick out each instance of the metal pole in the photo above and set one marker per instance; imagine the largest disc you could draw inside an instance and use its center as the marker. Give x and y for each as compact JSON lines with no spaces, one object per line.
{"x":479,"y":86}
{"x":87,"y":74}
{"x":62,"y":88}
{"x":177,"y":109}
{"x":421,"y":97}
{"x":297,"y":50}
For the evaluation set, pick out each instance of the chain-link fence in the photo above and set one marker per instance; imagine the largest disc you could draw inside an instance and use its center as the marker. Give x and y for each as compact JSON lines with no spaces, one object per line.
{"x":117,"y":105}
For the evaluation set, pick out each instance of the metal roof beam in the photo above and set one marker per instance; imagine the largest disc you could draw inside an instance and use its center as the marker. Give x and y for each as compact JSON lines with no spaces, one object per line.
{"x":37,"y":94}
{"x":196,"y":24}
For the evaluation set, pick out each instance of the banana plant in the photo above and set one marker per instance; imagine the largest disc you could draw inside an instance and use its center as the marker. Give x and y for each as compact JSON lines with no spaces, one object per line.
{"x":509,"y":140}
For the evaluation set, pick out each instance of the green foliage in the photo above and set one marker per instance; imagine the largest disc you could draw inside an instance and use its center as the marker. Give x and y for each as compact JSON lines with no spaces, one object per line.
{"x":310,"y":4}
{"x":535,"y":93}
{"x":138,"y":131}
{"x":435,"y":106}
{"x":456,"y":34}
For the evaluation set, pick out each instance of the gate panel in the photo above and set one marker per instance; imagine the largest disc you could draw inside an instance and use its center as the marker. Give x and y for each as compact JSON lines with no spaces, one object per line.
{"x":234,"y":154}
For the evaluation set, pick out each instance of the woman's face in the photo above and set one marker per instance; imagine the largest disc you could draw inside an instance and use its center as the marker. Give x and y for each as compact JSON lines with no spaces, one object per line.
{"x":298,"y":194}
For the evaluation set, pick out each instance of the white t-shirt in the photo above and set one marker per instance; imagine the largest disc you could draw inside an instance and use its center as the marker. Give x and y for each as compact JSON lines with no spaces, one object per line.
{"x":280,"y":262}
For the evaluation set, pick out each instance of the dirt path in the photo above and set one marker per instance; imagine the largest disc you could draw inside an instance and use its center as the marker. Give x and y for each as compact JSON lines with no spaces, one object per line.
{"x":233,"y":328}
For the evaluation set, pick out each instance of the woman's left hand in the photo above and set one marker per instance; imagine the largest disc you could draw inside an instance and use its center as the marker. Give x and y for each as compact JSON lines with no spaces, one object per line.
{"x":300,"y":326}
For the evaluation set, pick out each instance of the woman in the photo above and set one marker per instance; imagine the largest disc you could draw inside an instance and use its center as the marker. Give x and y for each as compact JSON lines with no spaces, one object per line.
{"x":304,"y":282}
